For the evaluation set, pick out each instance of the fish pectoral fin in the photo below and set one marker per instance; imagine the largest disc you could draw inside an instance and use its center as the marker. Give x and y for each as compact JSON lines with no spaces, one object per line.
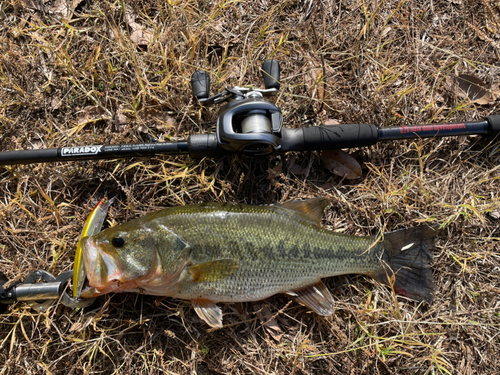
{"x":312,"y":208}
{"x":316,"y":296}
{"x":214,"y":270}
{"x":208,"y":311}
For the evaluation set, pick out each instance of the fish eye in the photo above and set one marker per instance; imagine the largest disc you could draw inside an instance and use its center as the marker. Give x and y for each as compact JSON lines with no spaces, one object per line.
{"x":118,"y":242}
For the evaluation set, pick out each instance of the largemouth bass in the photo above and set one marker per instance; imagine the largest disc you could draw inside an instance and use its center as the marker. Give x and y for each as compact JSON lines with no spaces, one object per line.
{"x":214,"y":252}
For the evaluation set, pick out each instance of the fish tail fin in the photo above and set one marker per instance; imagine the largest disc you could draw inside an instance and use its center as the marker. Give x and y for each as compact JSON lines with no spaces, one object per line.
{"x":406,"y":262}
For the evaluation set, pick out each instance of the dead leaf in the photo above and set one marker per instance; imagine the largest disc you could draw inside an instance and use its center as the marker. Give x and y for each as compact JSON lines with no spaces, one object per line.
{"x":341,"y":163}
{"x":36,"y":145}
{"x":141,"y":35}
{"x":65,"y":8}
{"x":332,"y":121}
{"x":313,"y":79}
{"x":385,"y":32}
{"x":450,"y":82}
{"x":121,"y":117}
{"x":495,"y":214}
{"x":159,"y":119}
{"x":92,"y":114}
{"x":268,"y":321}
{"x":275,"y":172}
{"x":474,"y":89}
{"x":33,"y":4}
{"x":143,"y":129}
{"x":295,"y":168}
{"x":55,"y":103}
{"x":76,"y":327}
{"x":130,"y":17}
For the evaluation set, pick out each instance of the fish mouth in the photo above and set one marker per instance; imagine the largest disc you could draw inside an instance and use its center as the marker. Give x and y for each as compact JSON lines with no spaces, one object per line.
{"x":103,"y":272}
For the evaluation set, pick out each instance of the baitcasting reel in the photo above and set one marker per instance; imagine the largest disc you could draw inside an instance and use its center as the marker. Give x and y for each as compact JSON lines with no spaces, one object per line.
{"x":247,"y":123}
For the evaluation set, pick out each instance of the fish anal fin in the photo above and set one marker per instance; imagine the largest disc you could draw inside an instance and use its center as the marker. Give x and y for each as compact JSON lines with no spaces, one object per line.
{"x":312,"y":208}
{"x":208,"y":311}
{"x":214,"y":270}
{"x":315,"y":296}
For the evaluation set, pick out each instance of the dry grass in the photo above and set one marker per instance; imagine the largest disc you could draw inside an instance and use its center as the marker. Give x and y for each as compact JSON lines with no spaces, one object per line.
{"x":82,"y":80}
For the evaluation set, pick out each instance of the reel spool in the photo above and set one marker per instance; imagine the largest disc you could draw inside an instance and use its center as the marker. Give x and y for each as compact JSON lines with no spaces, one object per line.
{"x":256,"y":123}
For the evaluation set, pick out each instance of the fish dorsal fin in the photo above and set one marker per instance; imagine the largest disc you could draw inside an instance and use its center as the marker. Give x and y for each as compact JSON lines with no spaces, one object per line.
{"x":208,"y":311}
{"x":312,"y":208}
{"x":214,"y":270}
{"x":316,"y":296}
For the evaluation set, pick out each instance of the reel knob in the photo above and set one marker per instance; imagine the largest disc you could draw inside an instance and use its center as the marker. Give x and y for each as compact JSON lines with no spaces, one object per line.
{"x":200,"y":84}
{"x":271,"y":74}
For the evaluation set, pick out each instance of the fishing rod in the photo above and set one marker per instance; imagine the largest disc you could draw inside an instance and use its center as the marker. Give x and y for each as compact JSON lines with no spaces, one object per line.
{"x":250,"y":125}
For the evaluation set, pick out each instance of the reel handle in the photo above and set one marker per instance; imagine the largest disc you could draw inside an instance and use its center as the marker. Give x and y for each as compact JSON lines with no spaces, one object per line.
{"x":200,"y":84}
{"x":271,"y":74}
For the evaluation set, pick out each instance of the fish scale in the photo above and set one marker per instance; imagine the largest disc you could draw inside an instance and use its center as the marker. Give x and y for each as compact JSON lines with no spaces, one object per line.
{"x":211,"y":253}
{"x":281,"y":257}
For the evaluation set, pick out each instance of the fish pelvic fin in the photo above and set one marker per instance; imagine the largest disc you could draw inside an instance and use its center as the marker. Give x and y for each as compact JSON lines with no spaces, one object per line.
{"x":406,"y":262}
{"x":316,"y":296}
{"x":208,"y":311}
{"x":312,"y":208}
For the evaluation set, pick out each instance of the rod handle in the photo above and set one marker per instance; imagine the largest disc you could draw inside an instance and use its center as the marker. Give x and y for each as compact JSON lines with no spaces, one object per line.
{"x":329,"y":137}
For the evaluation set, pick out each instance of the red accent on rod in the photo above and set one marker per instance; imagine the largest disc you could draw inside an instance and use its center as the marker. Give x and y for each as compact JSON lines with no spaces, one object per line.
{"x":435,"y":127}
